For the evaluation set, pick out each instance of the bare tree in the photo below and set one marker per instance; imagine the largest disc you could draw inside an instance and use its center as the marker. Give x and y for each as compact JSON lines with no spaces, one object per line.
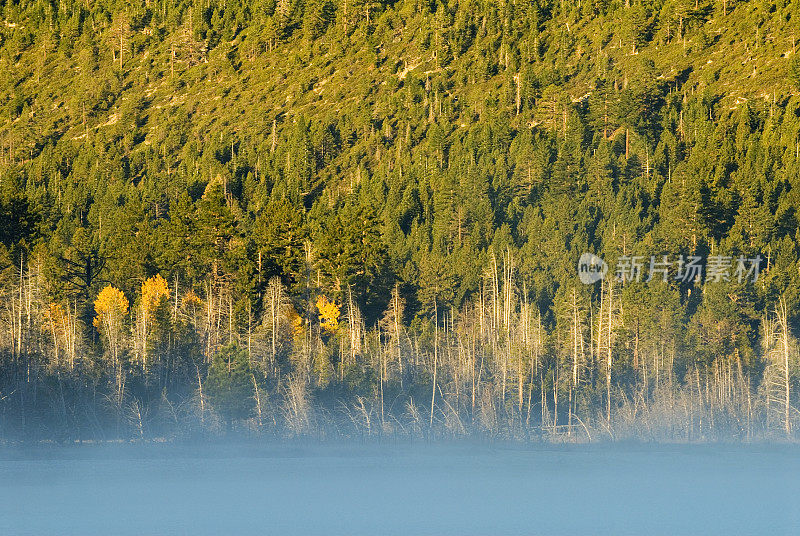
{"x":778,"y":372}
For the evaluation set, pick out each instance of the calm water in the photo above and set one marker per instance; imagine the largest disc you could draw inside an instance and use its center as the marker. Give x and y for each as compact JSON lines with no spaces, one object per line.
{"x":402,"y":490}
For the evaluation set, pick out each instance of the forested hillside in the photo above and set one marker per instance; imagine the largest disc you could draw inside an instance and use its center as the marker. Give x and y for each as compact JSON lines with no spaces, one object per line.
{"x":353,"y":217}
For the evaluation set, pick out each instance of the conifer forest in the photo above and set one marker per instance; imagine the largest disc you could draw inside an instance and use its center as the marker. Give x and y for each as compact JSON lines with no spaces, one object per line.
{"x":524,"y":220}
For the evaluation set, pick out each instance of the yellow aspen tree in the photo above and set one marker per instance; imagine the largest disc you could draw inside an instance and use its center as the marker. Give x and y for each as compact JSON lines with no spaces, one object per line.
{"x":328,"y":315}
{"x":155,"y":292}
{"x":298,"y":331}
{"x":110,"y":307}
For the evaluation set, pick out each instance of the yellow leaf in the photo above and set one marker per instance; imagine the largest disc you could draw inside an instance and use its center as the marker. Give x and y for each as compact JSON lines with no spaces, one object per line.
{"x":328,"y":314}
{"x":153,"y":291}
{"x":110,"y":306}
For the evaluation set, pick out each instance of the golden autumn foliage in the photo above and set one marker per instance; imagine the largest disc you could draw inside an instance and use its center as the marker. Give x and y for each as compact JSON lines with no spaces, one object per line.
{"x":56,"y":316}
{"x":110,"y":307}
{"x":296,"y":322}
{"x":154,"y":290}
{"x":328,"y":315}
{"x":190,"y":299}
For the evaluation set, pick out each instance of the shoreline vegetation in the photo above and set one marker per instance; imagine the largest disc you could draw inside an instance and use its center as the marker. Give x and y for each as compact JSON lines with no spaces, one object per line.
{"x":363,"y":219}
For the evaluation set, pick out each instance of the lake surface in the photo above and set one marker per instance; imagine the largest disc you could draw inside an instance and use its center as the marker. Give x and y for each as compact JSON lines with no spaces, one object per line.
{"x":400,"y":490}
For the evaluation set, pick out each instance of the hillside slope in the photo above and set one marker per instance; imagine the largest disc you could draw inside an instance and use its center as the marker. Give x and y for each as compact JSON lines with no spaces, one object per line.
{"x":309,"y":177}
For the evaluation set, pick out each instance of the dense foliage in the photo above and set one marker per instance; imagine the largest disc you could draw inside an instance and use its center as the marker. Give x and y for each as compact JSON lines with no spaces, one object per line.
{"x":354,"y":216}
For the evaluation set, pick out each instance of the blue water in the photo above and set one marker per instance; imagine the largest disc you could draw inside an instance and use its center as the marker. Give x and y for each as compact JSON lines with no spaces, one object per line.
{"x":400,"y":490}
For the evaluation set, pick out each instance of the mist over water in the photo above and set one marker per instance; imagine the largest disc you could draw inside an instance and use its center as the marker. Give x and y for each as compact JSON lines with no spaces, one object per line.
{"x":400,"y":489}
